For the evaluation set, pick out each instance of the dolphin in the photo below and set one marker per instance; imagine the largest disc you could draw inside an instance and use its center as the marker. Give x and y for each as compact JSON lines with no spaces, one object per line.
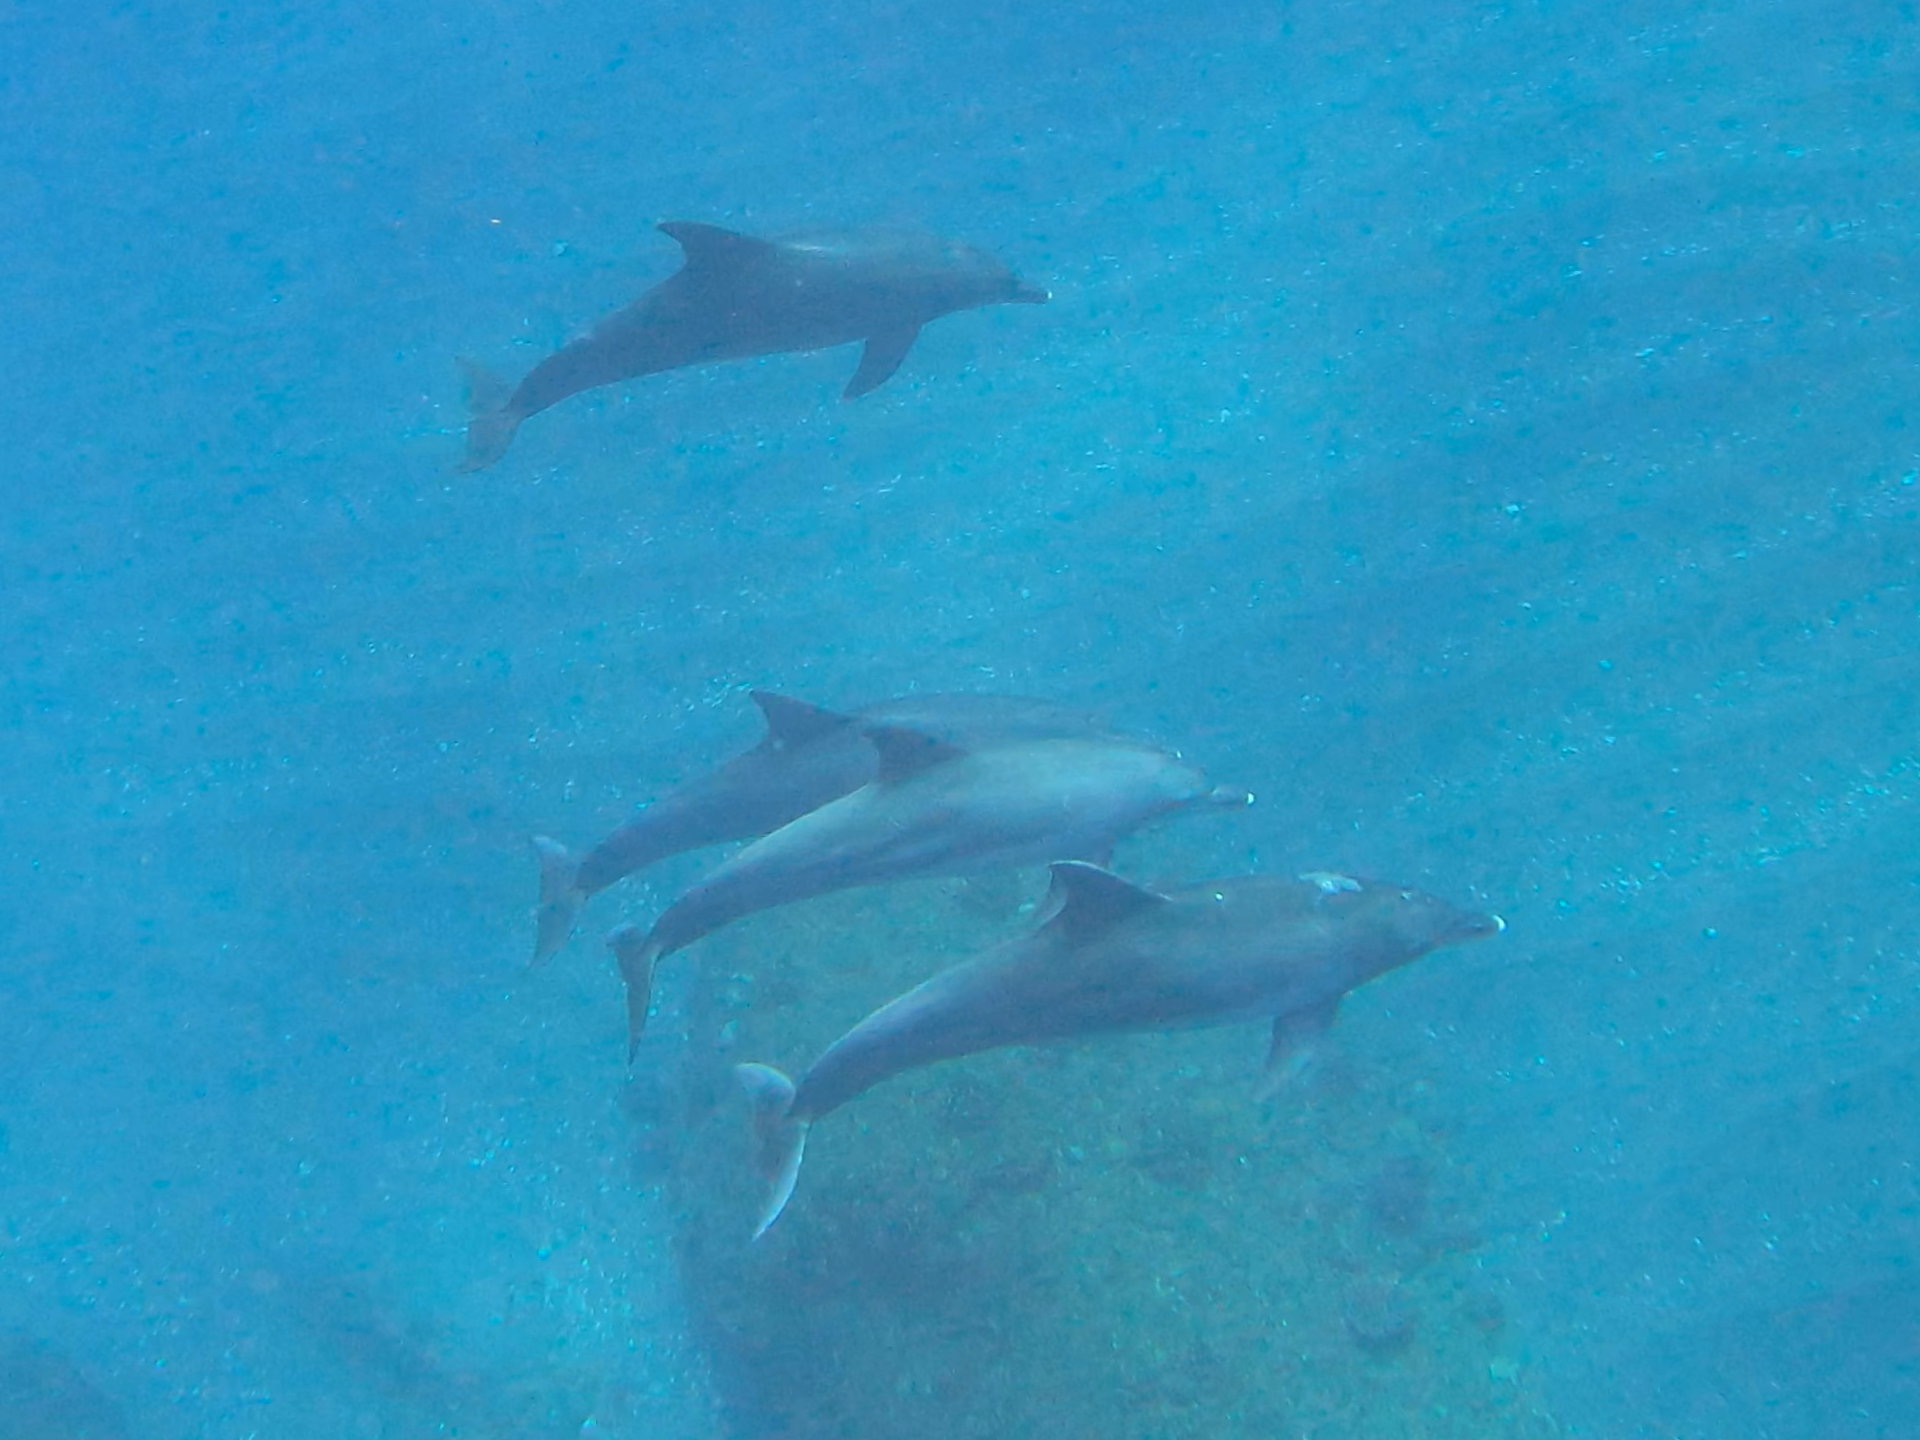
{"x":807,"y":757}
{"x":737,"y":296}
{"x":1115,"y":957}
{"x":933,"y":808}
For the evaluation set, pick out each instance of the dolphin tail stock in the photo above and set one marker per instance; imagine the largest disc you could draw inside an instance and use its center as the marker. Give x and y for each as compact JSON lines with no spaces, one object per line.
{"x":491,"y":422}
{"x":637,"y":953}
{"x":779,"y":1139}
{"x":560,"y":897}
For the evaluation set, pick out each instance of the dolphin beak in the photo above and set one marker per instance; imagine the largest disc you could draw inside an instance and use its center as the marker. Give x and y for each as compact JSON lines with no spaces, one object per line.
{"x":1480,"y":926}
{"x":1028,"y":295}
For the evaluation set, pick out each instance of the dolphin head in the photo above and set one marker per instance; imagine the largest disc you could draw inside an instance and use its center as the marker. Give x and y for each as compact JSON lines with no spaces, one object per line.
{"x":1180,"y":785}
{"x":1391,"y":925}
{"x":1425,"y":922}
{"x":988,"y":277}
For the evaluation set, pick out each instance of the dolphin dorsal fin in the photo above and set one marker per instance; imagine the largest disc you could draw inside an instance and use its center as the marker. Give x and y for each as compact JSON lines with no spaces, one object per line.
{"x":711,"y":245}
{"x":905,"y":751}
{"x":793,"y":722}
{"x":1085,"y":899}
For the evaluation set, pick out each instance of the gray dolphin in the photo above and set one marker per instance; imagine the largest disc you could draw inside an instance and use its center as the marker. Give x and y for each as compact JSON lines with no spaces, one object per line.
{"x":807,"y":757}
{"x":738,"y":296}
{"x":932,"y":809}
{"x":1114,"y":957}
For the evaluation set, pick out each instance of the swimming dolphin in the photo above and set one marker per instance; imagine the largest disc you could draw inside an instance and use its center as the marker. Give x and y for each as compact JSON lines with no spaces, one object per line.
{"x":1114,"y":957}
{"x":932,"y":809}
{"x":737,"y":296}
{"x":807,"y":757}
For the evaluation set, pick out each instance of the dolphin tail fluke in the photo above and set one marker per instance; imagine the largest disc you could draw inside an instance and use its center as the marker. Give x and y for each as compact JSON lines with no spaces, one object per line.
{"x":491,"y":426}
{"x":560,"y":897}
{"x":779,"y":1139}
{"x":637,"y":953}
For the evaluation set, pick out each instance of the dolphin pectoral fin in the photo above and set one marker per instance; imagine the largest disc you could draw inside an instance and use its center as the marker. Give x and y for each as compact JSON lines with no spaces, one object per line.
{"x":491,"y":424}
{"x":1291,"y":1053}
{"x":560,"y":897}
{"x":880,"y":359}
{"x":635,"y":950}
{"x":779,"y":1139}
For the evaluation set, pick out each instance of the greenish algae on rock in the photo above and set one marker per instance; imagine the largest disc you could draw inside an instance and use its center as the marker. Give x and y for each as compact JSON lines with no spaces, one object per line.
{"x":1111,"y":1241}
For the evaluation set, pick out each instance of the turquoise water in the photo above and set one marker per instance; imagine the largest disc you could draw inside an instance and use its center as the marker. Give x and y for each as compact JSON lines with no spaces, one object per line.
{"x":1483,"y":432}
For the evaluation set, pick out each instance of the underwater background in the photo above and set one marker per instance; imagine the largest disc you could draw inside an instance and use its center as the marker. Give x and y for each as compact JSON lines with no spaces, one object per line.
{"x":1484,"y":431}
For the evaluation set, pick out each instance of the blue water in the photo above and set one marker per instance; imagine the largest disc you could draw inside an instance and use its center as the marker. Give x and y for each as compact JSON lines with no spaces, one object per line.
{"x":1484,"y":431}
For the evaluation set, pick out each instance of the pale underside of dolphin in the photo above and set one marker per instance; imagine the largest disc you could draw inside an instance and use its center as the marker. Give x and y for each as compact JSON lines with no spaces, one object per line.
{"x":1113,"y":957}
{"x":933,"y":809}
{"x":807,"y":757}
{"x":738,"y":296}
